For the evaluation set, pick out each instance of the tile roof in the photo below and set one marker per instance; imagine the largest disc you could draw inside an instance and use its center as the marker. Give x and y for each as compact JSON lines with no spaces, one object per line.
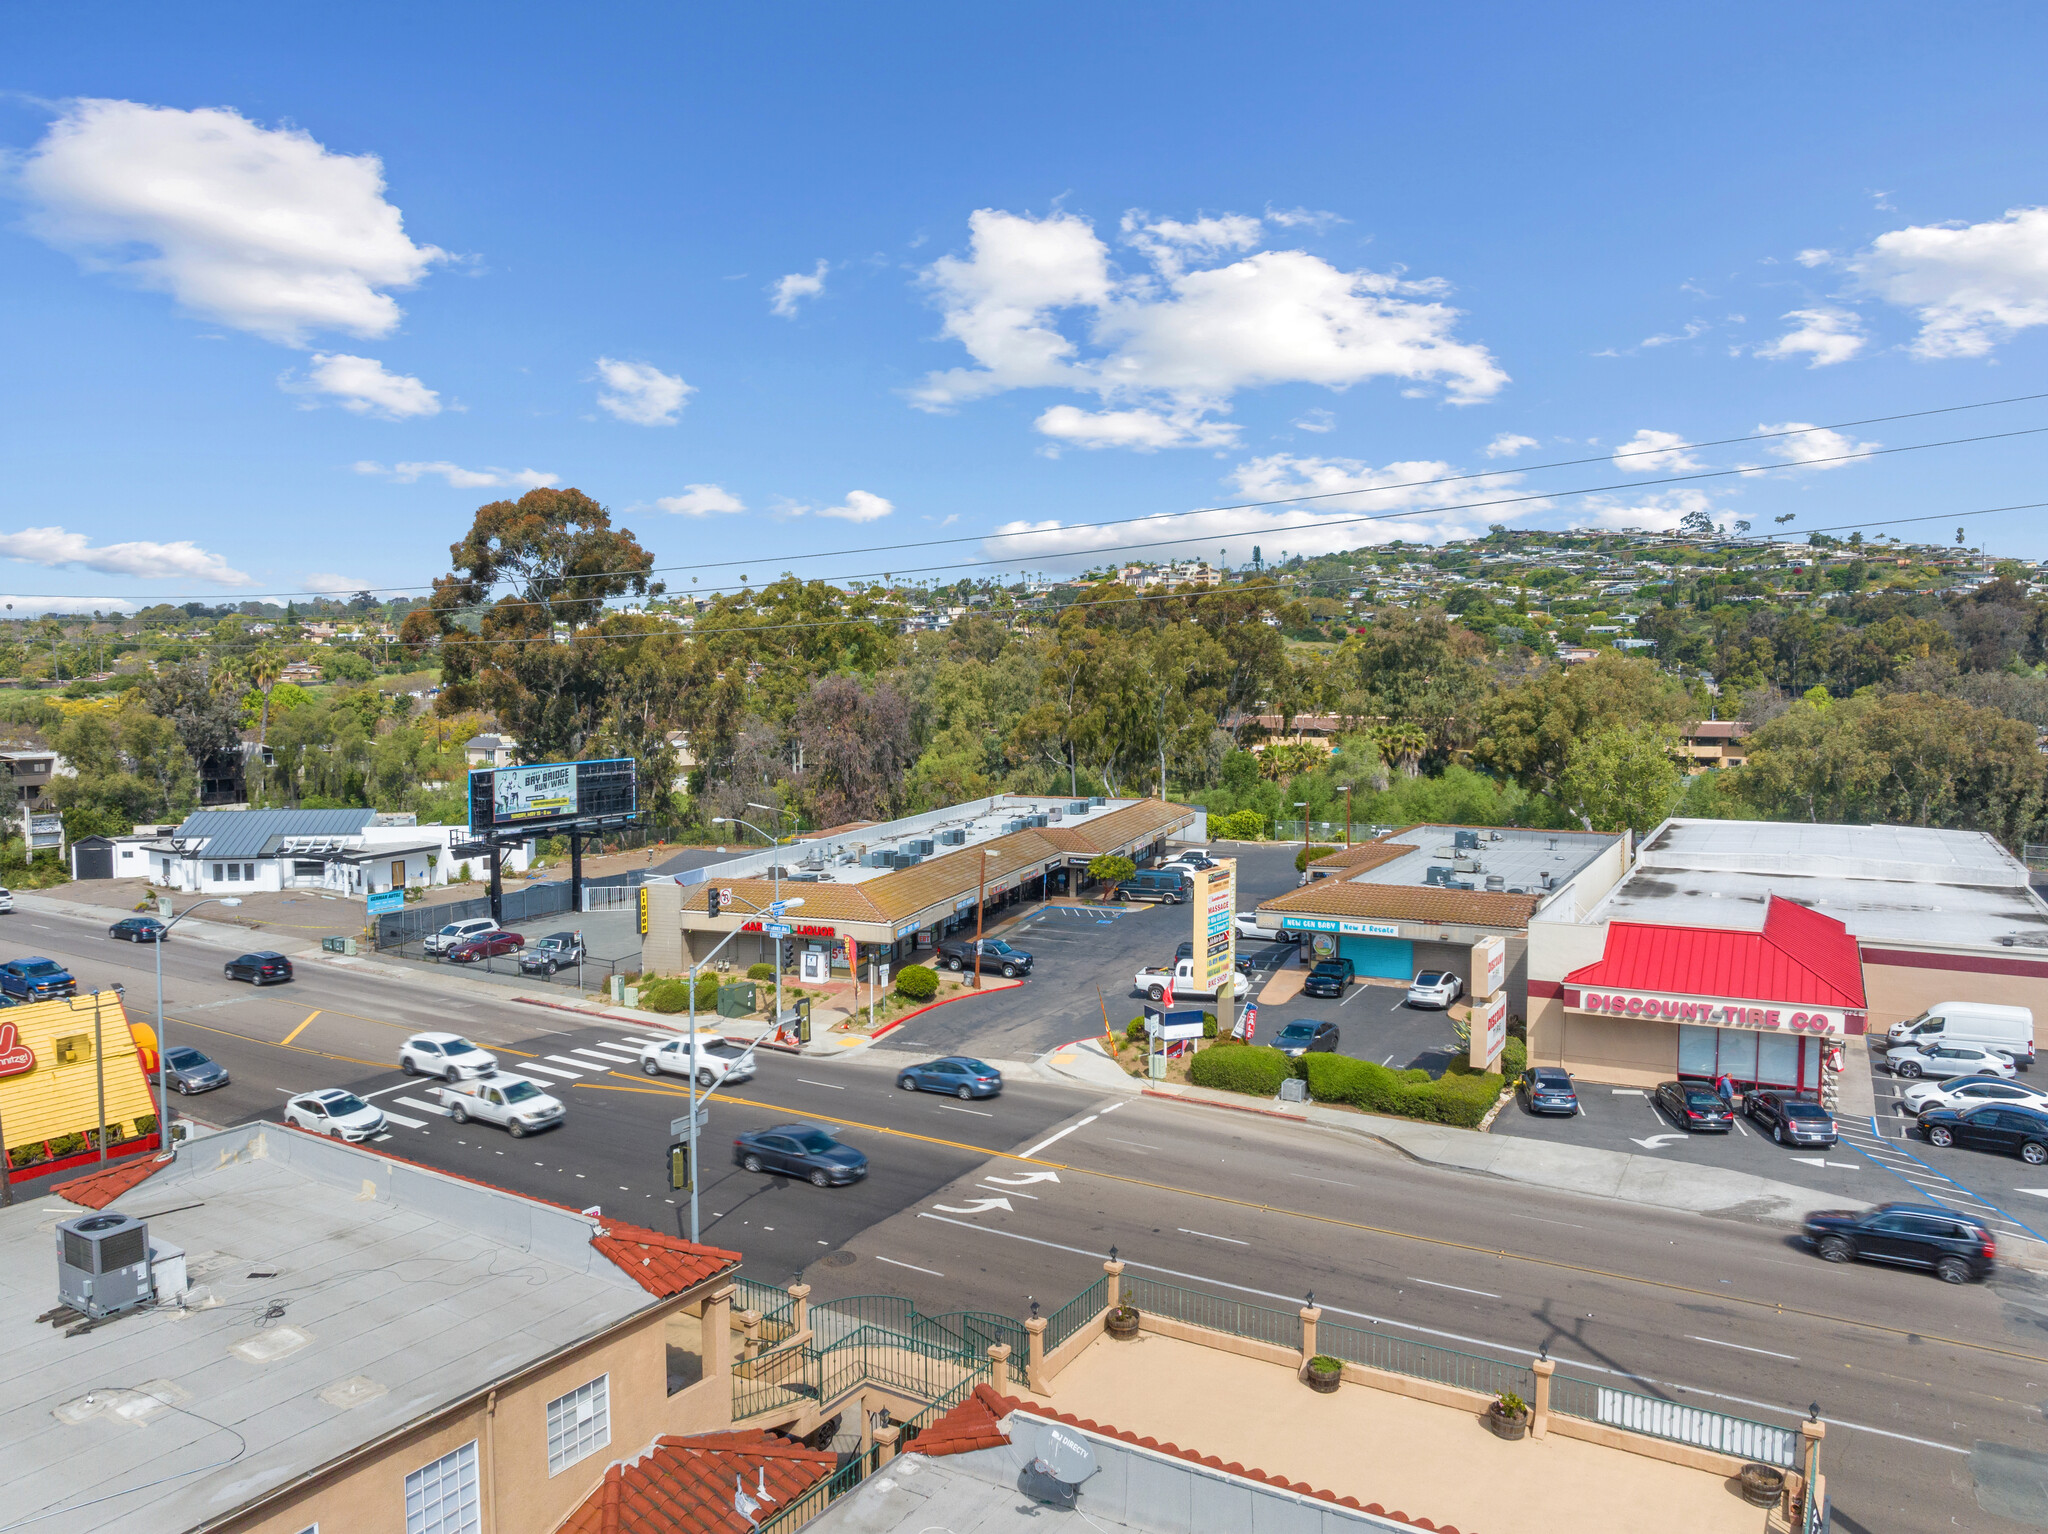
{"x":976,"y":1423}
{"x":1363,"y":856}
{"x":1231,"y":1467}
{"x":1800,"y":956}
{"x":247,"y":833}
{"x":1407,"y":902}
{"x":98,"y":1189}
{"x":686,"y":1485}
{"x":661,"y":1264}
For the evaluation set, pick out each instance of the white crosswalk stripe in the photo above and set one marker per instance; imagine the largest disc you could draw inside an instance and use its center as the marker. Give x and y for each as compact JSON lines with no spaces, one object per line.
{"x":402,"y":1121}
{"x":643,"y":1042}
{"x":605,"y":1051}
{"x":577,"y":1067}
{"x":551,"y":1070}
{"x":414,"y":1102}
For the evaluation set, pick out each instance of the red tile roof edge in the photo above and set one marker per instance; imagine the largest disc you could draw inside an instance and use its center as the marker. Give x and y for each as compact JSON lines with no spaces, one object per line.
{"x":667,"y":1479}
{"x":97,"y":1189}
{"x":1210,"y":1461}
{"x":976,"y":1423}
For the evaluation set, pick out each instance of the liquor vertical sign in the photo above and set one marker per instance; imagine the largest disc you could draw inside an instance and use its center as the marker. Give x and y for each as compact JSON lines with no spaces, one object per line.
{"x":1215,"y":935}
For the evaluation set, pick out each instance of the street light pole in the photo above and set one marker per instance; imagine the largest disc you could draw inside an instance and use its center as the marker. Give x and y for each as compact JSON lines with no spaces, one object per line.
{"x":980,"y":895}
{"x":163,"y":1064}
{"x":1347,"y":812}
{"x":775,"y":871}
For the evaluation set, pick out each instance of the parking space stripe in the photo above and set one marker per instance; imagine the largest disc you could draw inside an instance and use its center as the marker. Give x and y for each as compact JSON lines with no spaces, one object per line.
{"x":1959,"y":1188}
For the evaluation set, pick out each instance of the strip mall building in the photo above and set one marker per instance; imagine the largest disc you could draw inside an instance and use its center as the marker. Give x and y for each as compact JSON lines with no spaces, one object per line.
{"x":1749,"y":947}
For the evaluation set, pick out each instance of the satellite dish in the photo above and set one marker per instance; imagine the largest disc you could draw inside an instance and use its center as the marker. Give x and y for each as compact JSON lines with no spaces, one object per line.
{"x":1055,"y":1477}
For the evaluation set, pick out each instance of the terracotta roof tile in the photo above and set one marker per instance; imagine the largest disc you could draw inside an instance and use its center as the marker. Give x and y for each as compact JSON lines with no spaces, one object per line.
{"x":663,"y":1265}
{"x":686,"y":1485}
{"x":1302,"y":1488}
{"x":1364,"y":855}
{"x":96,"y":1190}
{"x":974,"y":1424}
{"x":1406,"y":902}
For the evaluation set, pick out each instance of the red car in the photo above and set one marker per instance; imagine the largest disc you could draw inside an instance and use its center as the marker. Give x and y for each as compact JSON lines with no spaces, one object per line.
{"x":485,"y":945}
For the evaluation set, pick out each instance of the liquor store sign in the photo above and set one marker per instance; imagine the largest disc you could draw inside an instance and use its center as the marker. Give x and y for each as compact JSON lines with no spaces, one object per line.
{"x":1716,"y":1012}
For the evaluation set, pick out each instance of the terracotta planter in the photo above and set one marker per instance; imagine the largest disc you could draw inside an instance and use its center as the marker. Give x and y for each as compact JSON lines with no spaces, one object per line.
{"x":1122,"y":1323}
{"x":1322,"y":1382}
{"x":1762,"y":1485}
{"x":1501,"y":1425}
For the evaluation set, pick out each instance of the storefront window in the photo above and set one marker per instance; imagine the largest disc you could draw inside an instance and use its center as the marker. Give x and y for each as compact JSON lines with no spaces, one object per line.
{"x":1777,"y":1062}
{"x":1695,"y":1050}
{"x":1736,"y":1055}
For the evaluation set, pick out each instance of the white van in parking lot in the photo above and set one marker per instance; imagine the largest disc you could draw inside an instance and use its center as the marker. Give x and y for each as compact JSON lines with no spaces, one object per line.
{"x":2009,"y":1030}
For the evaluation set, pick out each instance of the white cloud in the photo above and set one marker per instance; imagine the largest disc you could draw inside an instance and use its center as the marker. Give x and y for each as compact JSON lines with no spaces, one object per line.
{"x":1509,"y":443}
{"x":459,"y":478}
{"x":1144,"y":430}
{"x":1180,"y":340}
{"x":641,"y":393}
{"x":859,"y":506}
{"x":1315,"y":420}
{"x":1302,"y":218}
{"x":1972,"y":285}
{"x":1659,"y":512}
{"x":362,"y":384}
{"x":1810,"y":444}
{"x":1654,"y":452}
{"x":791,"y":290}
{"x":159,"y":561}
{"x":1814,"y":257}
{"x":262,"y":229}
{"x":701,"y":500}
{"x":327,"y":583}
{"x":30,"y":606}
{"x":1693,"y":329}
{"x":1822,"y":336}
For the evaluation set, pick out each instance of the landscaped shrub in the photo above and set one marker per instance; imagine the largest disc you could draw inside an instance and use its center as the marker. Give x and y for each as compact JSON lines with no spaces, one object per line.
{"x":1243,"y":826}
{"x":1309,"y":855}
{"x":760,"y":971}
{"x":1514,"y":1058}
{"x":665,"y":994}
{"x":1460,"y":1096}
{"x":917,"y":983}
{"x":707,"y":992}
{"x":1252,"y":1068}
{"x":1135,"y":1028}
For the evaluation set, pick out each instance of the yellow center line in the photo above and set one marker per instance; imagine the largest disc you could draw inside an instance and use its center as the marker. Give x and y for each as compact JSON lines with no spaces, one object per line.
{"x":297,"y":1049}
{"x":1775,"y":1306}
{"x":302,"y":1027}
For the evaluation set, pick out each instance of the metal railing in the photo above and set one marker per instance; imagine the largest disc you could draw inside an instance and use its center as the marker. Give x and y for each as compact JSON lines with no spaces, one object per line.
{"x":1659,"y":1418}
{"x":778,"y":1310}
{"x":876,"y":1356}
{"x":1076,"y":1313}
{"x":805,"y":1506}
{"x":1282,"y":1328}
{"x":1425,"y":1361}
{"x":776,"y":1380}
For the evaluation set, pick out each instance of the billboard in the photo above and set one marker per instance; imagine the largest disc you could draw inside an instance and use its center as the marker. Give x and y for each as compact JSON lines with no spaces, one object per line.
{"x":1215,"y":936}
{"x":1489,"y":966}
{"x":550,"y":793}
{"x":1489,"y":1030}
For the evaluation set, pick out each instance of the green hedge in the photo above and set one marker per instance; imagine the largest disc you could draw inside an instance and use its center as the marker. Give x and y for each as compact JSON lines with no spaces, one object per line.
{"x":1243,"y":826}
{"x":1460,"y":1096}
{"x":760,"y":971}
{"x":1309,"y":855}
{"x":1514,"y":1058}
{"x":671,"y":993}
{"x":917,"y":983}
{"x":1252,"y":1068}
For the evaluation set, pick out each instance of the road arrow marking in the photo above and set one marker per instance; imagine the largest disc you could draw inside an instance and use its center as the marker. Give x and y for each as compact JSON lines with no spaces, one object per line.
{"x":1028,"y":1177}
{"x":978,"y":1206}
{"x":1811,"y":1160}
{"x":1656,"y":1142}
{"x":2037,"y":1192}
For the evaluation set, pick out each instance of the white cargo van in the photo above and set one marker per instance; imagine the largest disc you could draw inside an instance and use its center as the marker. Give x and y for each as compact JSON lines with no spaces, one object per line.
{"x":2009,"y":1030}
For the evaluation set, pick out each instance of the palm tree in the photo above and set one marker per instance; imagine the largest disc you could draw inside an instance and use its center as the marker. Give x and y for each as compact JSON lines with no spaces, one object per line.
{"x":265,"y":667}
{"x":1404,"y":744}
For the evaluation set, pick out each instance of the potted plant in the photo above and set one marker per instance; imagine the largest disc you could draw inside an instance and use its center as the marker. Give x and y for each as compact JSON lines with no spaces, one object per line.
{"x":1508,"y":1417}
{"x":1762,"y":1485}
{"x":1122,"y":1322}
{"x":1323,"y":1373}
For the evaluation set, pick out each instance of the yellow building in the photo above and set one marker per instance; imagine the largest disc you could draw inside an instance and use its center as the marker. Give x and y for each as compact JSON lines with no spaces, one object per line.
{"x":66,"y":1067}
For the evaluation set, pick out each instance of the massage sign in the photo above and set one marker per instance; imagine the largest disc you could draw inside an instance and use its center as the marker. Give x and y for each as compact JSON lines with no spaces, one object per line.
{"x":1715,"y":1012}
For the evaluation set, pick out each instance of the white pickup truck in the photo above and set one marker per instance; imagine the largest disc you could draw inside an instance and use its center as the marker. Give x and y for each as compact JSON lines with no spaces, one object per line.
{"x":512,"y":1101}
{"x":1152,"y":980}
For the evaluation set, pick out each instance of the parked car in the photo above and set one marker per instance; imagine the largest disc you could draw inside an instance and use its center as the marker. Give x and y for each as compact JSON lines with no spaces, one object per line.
{"x":138,"y":929}
{"x":1190,"y":862}
{"x":335,"y":1112}
{"x":190,"y":1071}
{"x":2006,"y":1128}
{"x":1969,"y":1091}
{"x":263,"y":967}
{"x":800,"y":1150}
{"x":518,"y":1105}
{"x":36,"y":979}
{"x":1546,"y":1089}
{"x":558,"y":950}
{"x":1955,"y":1247}
{"x":458,"y":932}
{"x":1435,"y":988}
{"x":6,"y":900}
{"x":485,"y":945}
{"x":714,"y":1060}
{"x":962,"y":1075}
{"x":1695,"y":1106}
{"x":1329,"y":978}
{"x":1248,"y":928}
{"x":1305,"y":1036}
{"x":997,"y":956}
{"x":1791,"y":1119}
{"x":1915,"y":1060}
{"x":1154,"y":884}
{"x":447,"y":1055}
{"x":2009,"y":1030}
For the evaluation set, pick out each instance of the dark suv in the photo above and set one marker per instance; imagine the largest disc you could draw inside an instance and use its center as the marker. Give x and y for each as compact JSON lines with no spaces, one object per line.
{"x":2007,"y":1128}
{"x":1329,"y":978}
{"x":997,"y":957}
{"x":1955,"y":1247}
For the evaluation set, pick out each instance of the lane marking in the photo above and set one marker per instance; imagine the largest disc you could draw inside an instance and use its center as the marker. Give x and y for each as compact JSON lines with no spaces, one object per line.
{"x":1512,"y":1351}
{"x":975,"y":1111}
{"x":643,"y":1043}
{"x":1010,"y":1192}
{"x":1061,"y":1135}
{"x":1114,"y":1106}
{"x":1484,"y":1294}
{"x":1207,"y":1237}
{"x":830,"y":1086}
{"x":1669,"y":1286}
{"x":1140,"y":1144}
{"x":301,"y":1028}
{"x":935,"y":1273}
{"x":1791,"y":1358}
{"x":1330,"y":1181}
{"x":403,"y":1086}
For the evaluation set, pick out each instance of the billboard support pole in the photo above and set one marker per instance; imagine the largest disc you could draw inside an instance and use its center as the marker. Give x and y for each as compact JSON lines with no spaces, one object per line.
{"x":497,"y":885}
{"x":576,"y":870}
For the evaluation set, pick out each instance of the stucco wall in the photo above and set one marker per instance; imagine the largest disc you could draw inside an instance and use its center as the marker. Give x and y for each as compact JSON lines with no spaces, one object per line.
{"x":1623,"y":1051}
{"x":1903,"y":989}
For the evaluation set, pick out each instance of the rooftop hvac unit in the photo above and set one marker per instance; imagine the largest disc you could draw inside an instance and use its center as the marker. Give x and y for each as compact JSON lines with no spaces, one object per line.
{"x":921,"y":845}
{"x":1097,"y":802}
{"x":1055,"y":815}
{"x":1079,"y":807}
{"x":1436,"y":874}
{"x":1035,"y":822}
{"x":1466,"y":865}
{"x":1463,"y":839}
{"x":1012,"y":825}
{"x":908,"y":859}
{"x":103,"y":1263}
{"x":882,"y":859}
{"x":954,"y":838}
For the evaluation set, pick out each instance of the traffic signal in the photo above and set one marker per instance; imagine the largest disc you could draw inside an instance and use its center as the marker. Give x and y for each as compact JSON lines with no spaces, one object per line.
{"x":679,"y":1168}
{"x":711,"y":900}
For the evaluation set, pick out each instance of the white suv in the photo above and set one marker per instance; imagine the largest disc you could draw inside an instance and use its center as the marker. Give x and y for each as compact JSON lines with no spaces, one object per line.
{"x":458,"y":932}
{"x":447,"y":1055}
{"x":6,"y":900}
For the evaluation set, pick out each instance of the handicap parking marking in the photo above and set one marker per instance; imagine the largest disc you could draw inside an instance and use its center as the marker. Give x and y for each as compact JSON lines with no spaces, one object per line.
{"x":1950,"y":1191}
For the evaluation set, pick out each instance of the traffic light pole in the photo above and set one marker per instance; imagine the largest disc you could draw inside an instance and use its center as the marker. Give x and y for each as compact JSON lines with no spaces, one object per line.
{"x":694,"y":968}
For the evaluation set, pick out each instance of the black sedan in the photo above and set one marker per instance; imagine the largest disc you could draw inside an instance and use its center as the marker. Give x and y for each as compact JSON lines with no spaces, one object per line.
{"x":1791,"y":1119}
{"x":190,"y":1071}
{"x":800,"y":1150}
{"x":961,"y":1075}
{"x":138,"y":929}
{"x":1955,"y":1247}
{"x":1692,"y":1105}
{"x":264,"y":968}
{"x":1329,"y":978}
{"x":2005,"y":1128}
{"x":1306,"y":1037}
{"x":1546,"y":1089}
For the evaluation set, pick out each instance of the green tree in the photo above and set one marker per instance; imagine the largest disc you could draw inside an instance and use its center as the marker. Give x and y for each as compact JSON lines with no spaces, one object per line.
{"x":1110,"y":868}
{"x":1531,"y":730}
{"x":1619,"y":778}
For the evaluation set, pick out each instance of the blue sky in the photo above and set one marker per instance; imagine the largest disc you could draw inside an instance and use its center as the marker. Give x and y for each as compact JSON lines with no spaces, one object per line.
{"x":289,"y":294}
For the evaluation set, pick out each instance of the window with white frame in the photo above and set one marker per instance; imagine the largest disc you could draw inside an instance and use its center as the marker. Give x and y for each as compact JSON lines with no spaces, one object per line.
{"x":579,"y":1423}
{"x":249,"y":871}
{"x":218,"y":873}
{"x":234,"y":873}
{"x":441,"y":1498}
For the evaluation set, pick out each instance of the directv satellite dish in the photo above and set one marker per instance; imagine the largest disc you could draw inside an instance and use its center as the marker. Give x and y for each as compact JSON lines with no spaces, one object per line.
{"x":1055,"y":1477}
